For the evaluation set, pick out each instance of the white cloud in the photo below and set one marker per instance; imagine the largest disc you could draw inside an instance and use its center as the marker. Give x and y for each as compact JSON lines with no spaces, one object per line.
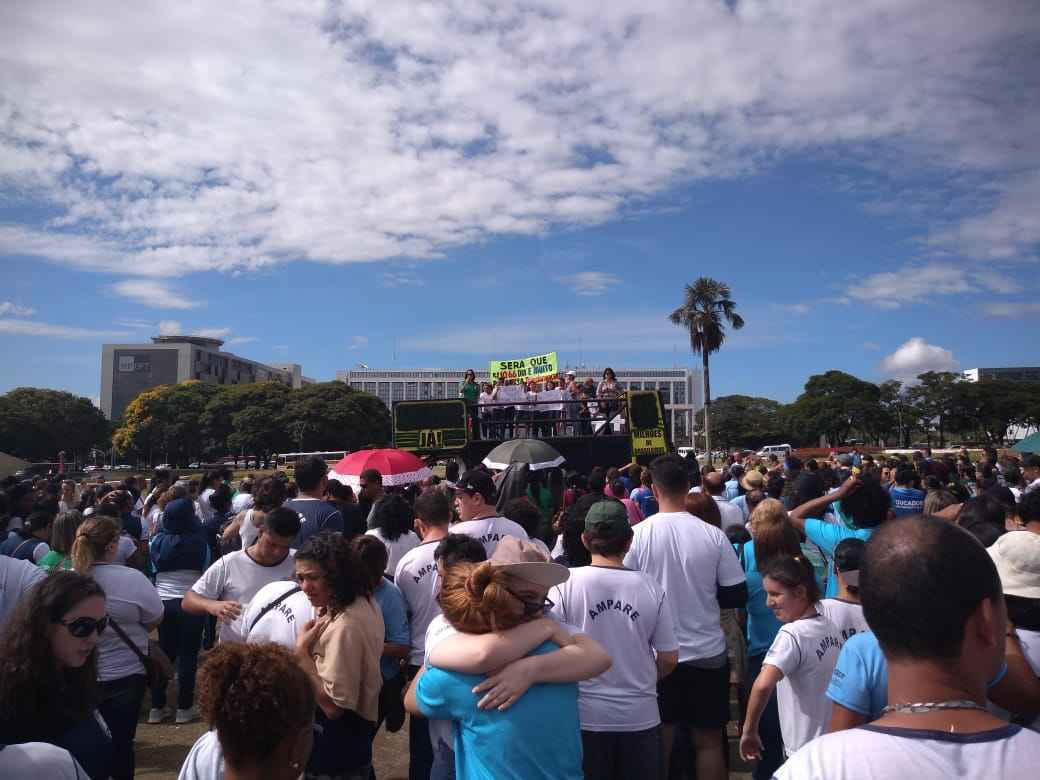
{"x":170,"y":328}
{"x":401,"y":279}
{"x":589,"y":282}
{"x":8,"y":309}
{"x":358,"y":342}
{"x":400,"y":130}
{"x":153,"y":293}
{"x":629,"y":332}
{"x":1011,"y":310}
{"x":920,"y":284}
{"x":873,"y":346}
{"x":47,"y":330}
{"x":915,"y":357}
{"x":238,"y":340}
{"x":796,"y":308}
{"x":212,"y":333}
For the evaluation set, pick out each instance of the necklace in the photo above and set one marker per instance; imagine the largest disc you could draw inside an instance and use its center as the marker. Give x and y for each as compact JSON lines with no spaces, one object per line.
{"x":933,"y":706}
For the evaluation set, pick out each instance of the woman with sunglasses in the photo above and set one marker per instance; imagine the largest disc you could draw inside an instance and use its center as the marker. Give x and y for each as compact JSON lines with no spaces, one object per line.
{"x":135,"y":609}
{"x":48,"y":671}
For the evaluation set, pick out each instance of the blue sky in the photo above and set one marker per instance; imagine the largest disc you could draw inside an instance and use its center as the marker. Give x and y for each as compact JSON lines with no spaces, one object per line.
{"x":338,"y":184}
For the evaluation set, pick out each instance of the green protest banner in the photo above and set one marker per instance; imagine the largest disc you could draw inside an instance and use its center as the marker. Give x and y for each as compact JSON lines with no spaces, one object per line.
{"x":536,"y":367}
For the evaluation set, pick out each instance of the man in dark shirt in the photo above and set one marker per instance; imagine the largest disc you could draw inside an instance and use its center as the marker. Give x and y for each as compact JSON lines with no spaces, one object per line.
{"x":315,"y":513}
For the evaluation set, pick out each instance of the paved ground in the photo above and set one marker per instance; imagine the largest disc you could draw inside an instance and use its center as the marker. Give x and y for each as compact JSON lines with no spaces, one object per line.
{"x":161,"y":751}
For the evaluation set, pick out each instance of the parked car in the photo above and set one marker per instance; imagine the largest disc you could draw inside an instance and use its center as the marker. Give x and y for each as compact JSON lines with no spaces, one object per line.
{"x":164,"y":466}
{"x":124,"y":467}
{"x":194,"y":465}
{"x":780,"y":450}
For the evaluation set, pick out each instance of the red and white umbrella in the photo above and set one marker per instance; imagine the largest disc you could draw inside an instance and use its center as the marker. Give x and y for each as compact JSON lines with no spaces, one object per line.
{"x":398,"y":467}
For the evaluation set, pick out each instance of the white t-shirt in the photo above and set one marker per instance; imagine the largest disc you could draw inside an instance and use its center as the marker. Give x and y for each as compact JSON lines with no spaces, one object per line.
{"x":440,"y":730}
{"x":237,"y":577}
{"x":132,"y":601}
{"x":624,"y":611}
{"x":847,"y":616}
{"x":489,"y":531}
{"x":126,"y":548}
{"x":205,"y":760}
{"x":248,"y":530}
{"x":282,"y":624}
{"x":731,"y":514}
{"x":397,"y":548}
{"x":40,"y":759}
{"x":242,"y":502}
{"x":1031,"y":650}
{"x":150,"y":522}
{"x":689,"y":559}
{"x":879,"y":753}
{"x":16,"y":578}
{"x":416,"y":576}
{"x":174,"y":584}
{"x":204,"y":509}
{"x":485,"y":398}
{"x":806,"y":651}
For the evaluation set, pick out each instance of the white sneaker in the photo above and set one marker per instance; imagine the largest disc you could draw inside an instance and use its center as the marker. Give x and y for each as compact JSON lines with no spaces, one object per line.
{"x":159,"y":715}
{"x":187,"y":716}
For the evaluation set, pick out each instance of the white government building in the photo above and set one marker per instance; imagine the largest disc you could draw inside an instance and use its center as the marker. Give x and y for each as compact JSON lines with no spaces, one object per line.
{"x":681,"y":388}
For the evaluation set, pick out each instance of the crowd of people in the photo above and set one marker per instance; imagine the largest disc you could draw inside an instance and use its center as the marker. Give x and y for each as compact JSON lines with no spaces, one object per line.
{"x":511,"y":408}
{"x":869,"y":616}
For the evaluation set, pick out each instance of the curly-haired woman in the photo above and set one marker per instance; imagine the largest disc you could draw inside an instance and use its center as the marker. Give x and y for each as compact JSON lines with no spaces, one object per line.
{"x":340,"y":652}
{"x":260,"y":709}
{"x":134,"y":608}
{"x":48,"y":670}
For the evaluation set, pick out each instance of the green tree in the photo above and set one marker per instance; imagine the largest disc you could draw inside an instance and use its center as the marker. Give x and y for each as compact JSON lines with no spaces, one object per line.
{"x":933,"y":397}
{"x":167,"y":419}
{"x":335,"y":416}
{"x":833,"y":405}
{"x":247,"y":419}
{"x":745,"y":421}
{"x":991,"y":407}
{"x":37,"y":424}
{"x":900,"y":414}
{"x":705,"y":310}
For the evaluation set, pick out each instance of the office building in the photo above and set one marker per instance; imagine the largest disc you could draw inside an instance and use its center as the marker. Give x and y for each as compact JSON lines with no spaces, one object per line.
{"x":680,"y":388}
{"x":1010,"y":374}
{"x":129,"y":369}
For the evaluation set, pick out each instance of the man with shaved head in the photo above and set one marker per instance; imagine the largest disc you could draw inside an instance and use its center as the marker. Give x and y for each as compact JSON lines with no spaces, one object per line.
{"x":932,"y":596}
{"x":715,"y":486}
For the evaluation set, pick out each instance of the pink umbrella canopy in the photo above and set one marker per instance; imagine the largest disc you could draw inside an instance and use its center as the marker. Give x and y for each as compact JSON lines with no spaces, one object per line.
{"x":398,"y":467}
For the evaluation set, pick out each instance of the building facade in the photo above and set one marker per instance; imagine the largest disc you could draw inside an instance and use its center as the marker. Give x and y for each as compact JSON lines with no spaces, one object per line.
{"x":680,"y":388}
{"x":127,"y":370}
{"x":1010,"y":374}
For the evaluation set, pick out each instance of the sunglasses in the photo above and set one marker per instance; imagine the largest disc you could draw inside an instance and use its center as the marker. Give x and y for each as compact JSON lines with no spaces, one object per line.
{"x":535,"y":607}
{"x":83,"y":627}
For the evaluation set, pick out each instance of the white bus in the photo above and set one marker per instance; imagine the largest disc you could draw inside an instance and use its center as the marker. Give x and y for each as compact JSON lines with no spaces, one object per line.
{"x":285,"y":459}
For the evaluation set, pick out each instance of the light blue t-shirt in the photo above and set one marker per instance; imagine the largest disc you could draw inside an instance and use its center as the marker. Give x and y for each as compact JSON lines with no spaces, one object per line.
{"x":826,"y":536}
{"x":395,"y":617}
{"x":860,"y":679}
{"x":762,"y":624}
{"x":538,"y":738}
{"x":732,"y":490}
{"x":906,"y":501}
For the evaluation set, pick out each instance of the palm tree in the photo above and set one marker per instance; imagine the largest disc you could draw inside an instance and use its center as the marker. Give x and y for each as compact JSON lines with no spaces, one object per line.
{"x":705,"y":310}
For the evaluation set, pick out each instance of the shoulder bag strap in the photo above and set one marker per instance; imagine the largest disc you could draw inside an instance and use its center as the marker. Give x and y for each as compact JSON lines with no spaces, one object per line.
{"x":129,"y":642}
{"x":18,"y":549}
{"x":272,"y":605}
